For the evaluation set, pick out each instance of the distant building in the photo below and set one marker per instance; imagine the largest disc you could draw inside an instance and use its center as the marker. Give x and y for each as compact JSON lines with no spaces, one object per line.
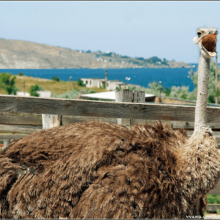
{"x":100,"y":83}
{"x":23,"y":94}
{"x":43,"y":94}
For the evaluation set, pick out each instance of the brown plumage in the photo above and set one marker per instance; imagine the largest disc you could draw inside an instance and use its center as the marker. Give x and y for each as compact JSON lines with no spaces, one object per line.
{"x":102,"y":170}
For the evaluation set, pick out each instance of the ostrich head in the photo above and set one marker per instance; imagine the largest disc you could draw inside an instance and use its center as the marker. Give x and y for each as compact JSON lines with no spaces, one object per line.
{"x":206,"y":39}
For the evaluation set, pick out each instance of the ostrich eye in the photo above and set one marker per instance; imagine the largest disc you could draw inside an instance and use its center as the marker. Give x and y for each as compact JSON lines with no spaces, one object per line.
{"x":199,"y":34}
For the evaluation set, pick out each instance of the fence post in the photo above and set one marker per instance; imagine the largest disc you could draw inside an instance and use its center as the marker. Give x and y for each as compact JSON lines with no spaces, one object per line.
{"x":50,"y":121}
{"x":127,"y":95}
{"x":6,"y":143}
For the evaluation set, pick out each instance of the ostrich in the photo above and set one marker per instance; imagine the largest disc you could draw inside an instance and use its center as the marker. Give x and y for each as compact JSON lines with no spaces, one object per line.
{"x":103,"y":170}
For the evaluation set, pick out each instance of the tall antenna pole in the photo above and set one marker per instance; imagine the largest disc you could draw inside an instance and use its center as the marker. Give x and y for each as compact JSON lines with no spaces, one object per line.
{"x":216,"y":79}
{"x":24,"y":87}
{"x":106,"y":79}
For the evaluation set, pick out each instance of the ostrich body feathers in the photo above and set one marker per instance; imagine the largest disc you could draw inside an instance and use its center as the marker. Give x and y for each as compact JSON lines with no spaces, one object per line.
{"x":102,"y":170}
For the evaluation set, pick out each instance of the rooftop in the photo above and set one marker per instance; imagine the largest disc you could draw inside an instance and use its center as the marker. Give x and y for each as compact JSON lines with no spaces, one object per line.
{"x":108,"y":95}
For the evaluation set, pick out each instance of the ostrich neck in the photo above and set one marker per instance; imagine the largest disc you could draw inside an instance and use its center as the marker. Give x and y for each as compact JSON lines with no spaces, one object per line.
{"x":199,"y":155}
{"x":202,"y":93}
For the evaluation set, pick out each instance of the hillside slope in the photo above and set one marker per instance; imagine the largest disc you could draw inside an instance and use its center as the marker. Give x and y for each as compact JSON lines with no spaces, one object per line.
{"x":17,"y":54}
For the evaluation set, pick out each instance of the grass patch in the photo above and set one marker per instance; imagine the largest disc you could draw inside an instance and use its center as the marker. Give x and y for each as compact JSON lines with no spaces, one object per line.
{"x":48,"y":85}
{"x":213,"y":199}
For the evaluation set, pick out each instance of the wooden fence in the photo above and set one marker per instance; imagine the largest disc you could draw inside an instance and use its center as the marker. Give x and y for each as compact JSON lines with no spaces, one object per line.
{"x":23,"y":115}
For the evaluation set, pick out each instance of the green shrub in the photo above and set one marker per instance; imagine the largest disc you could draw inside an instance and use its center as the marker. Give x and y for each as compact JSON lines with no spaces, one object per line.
{"x":33,"y":90}
{"x":80,"y":83}
{"x":213,"y":199}
{"x":194,"y":77}
{"x":167,"y":91}
{"x":132,"y":88}
{"x":56,"y":78}
{"x":7,"y":82}
{"x":20,"y":74}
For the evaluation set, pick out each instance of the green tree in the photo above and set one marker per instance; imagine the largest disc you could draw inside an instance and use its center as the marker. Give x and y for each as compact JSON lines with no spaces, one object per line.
{"x":155,"y":88}
{"x":80,"y":83}
{"x":167,"y":91}
{"x":7,"y":82}
{"x":56,"y":78}
{"x":180,"y":92}
{"x":33,"y":90}
{"x":212,"y":92}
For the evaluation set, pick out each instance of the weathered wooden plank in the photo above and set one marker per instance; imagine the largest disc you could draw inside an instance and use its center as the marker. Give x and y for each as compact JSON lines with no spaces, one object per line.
{"x":212,"y":207}
{"x":6,"y":143}
{"x":217,"y":137}
{"x":216,"y":190}
{"x":103,"y":109}
{"x":8,"y":118}
{"x":127,"y":95}
{"x":75,"y":119}
{"x":12,"y":136}
{"x":146,"y":121}
{"x":123,"y":96}
{"x":35,"y":119}
{"x":18,"y":129}
{"x":139,"y":96}
{"x":190,"y":125}
{"x":20,"y":118}
{"x":50,"y":121}
{"x":215,"y":133}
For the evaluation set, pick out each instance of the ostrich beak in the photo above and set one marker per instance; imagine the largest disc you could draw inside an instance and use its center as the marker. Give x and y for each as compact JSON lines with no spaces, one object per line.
{"x":209,"y":44}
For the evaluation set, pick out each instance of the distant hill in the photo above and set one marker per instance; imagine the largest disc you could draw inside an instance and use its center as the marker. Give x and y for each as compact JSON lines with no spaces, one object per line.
{"x":17,"y":54}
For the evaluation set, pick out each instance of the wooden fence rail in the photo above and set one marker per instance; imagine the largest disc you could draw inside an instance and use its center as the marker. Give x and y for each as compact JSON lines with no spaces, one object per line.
{"x":190,"y":125}
{"x":20,"y":118}
{"x":15,"y":104}
{"x":19,"y":129}
{"x":12,"y":136}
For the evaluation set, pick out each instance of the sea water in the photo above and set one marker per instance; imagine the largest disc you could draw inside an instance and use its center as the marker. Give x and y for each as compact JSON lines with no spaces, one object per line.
{"x":168,"y":77}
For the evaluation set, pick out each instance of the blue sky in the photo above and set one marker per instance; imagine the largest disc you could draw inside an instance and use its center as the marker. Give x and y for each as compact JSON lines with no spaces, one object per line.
{"x":134,"y":28}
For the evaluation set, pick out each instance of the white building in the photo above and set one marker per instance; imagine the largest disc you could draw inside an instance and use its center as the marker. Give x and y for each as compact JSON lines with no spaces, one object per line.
{"x":43,"y":94}
{"x":100,"y":83}
{"x":23,"y":94}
